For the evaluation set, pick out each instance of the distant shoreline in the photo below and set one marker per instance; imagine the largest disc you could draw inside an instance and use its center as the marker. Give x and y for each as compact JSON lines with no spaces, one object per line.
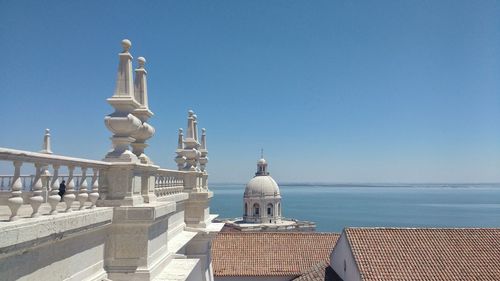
{"x":472,"y":184}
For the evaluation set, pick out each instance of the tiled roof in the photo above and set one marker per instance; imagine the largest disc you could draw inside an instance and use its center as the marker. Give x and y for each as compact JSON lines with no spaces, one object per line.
{"x":270,"y":253}
{"x":319,"y":272}
{"x":426,"y":253}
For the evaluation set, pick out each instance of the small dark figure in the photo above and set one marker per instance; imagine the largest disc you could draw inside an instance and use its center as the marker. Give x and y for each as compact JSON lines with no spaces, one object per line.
{"x":62,"y":189}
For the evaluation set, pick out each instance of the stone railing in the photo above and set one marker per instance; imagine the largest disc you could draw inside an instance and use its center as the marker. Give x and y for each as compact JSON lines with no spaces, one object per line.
{"x":78,"y":188}
{"x":168,"y":182}
{"x":27,"y":181}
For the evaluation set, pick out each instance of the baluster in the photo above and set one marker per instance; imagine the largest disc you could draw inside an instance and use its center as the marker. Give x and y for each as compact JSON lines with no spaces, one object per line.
{"x":54,"y":197}
{"x":94,"y":195}
{"x":160,"y":187}
{"x":166,"y":188}
{"x":36,"y":200}
{"x":165,"y":185}
{"x":69,"y":196}
{"x":15,"y":201}
{"x":157,"y":184}
{"x":45,"y":176}
{"x":83,"y":192}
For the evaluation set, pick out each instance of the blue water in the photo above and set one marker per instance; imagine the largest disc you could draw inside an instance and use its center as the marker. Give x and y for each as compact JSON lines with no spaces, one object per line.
{"x":334,"y":207}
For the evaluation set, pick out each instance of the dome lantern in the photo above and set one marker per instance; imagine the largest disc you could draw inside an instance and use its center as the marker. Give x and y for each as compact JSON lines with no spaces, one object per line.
{"x":262,"y":165}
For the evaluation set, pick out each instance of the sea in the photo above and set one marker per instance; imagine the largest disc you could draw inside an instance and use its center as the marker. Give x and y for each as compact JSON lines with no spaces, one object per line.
{"x":335,"y":206}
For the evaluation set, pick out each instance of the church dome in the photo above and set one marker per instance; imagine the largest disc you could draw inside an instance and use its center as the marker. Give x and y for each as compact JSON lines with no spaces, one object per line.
{"x":262,"y":186}
{"x":262,"y":199}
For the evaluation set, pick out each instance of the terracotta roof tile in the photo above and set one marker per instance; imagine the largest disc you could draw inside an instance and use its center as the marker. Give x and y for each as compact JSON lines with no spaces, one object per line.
{"x":426,"y":253}
{"x":270,"y":253}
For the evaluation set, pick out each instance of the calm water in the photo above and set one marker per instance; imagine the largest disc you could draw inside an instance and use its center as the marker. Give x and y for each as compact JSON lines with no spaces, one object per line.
{"x":333,"y":207}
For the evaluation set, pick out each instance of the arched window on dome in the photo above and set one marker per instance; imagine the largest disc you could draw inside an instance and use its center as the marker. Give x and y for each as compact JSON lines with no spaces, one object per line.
{"x":245,"y":212}
{"x":270,"y":209}
{"x":256,"y":210}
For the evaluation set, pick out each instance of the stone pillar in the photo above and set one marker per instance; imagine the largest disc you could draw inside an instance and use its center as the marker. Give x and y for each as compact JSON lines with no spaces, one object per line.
{"x":197,"y":207}
{"x":197,"y":218}
{"x":123,"y":185}
{"x":148,"y":183}
{"x":136,"y":248}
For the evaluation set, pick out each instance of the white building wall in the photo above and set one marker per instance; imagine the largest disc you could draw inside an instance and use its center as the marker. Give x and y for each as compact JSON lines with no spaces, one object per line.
{"x":342,"y":255}
{"x":65,"y":247}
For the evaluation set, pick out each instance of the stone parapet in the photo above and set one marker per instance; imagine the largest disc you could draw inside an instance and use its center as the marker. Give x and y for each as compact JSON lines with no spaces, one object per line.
{"x":67,"y":246}
{"x":137,"y":244}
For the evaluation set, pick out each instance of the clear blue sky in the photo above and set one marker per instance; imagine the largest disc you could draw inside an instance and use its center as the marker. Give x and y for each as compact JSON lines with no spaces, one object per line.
{"x":335,"y":91}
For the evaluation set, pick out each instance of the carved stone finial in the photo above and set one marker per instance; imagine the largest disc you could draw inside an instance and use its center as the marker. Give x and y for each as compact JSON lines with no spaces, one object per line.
{"x":143,"y":113}
{"x":141,"y":61}
{"x":188,"y":149}
{"x":203,"y":150}
{"x":46,"y":148}
{"x":122,"y":123}
{"x":126,"y":44}
{"x":180,"y":140}
{"x":203,"y":138}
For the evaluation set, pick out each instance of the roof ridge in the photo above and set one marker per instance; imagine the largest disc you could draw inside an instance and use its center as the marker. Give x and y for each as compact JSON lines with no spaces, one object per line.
{"x":390,"y":227}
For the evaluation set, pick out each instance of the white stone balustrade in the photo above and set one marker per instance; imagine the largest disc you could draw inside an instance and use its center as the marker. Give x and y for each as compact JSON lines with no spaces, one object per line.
{"x":168,"y":182}
{"x":42,"y":180}
{"x":27,"y":181}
